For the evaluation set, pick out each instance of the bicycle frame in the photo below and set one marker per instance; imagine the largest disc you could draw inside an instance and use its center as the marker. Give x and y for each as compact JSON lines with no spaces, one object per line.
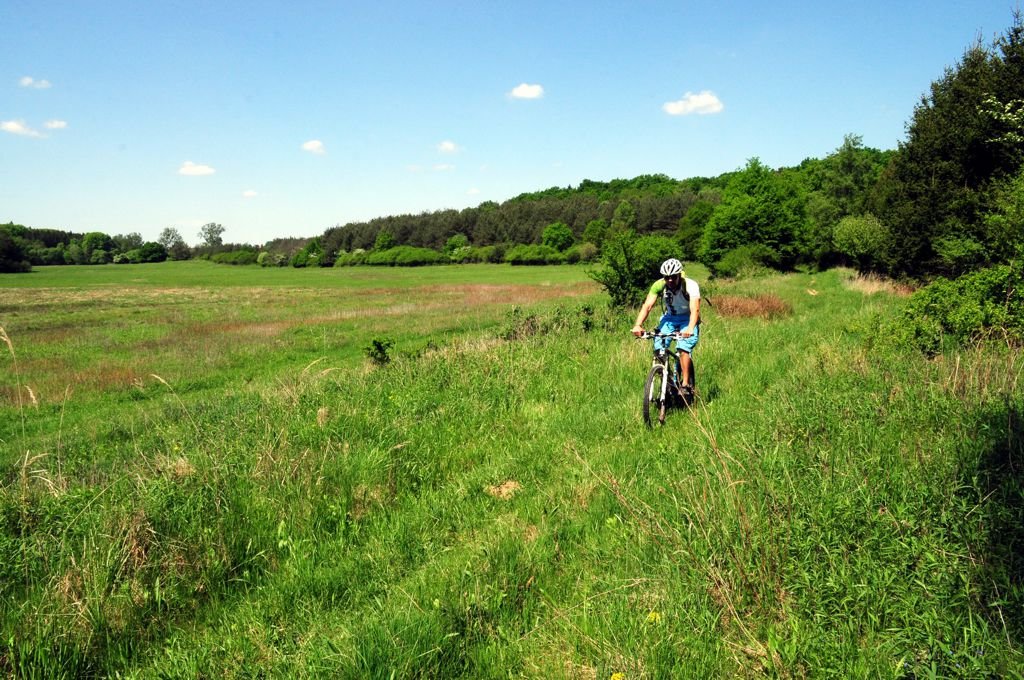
{"x":667,"y":361}
{"x":666,"y":371}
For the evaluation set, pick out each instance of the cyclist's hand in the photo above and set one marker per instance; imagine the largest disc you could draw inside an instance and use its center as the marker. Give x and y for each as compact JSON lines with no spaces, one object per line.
{"x":687,"y":332}
{"x":638,"y":331}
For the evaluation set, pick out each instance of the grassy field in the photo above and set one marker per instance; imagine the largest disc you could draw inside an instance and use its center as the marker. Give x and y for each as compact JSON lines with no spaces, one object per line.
{"x":204,"y":475}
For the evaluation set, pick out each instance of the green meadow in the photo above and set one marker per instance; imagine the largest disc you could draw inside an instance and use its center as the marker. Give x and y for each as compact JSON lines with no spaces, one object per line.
{"x":210,"y":471}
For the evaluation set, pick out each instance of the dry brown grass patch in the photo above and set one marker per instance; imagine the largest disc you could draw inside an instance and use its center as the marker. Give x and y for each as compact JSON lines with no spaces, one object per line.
{"x":365,"y":498}
{"x":177,"y":469}
{"x":323,"y":414}
{"x":870,"y":284}
{"x":531,"y":533}
{"x":764,"y":306}
{"x":504,"y":491}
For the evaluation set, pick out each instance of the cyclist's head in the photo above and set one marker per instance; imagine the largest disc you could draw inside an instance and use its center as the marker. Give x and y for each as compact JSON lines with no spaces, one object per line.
{"x":671,"y":267}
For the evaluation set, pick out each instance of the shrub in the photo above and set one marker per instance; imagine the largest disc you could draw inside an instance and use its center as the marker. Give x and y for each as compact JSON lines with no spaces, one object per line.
{"x":269,"y":259}
{"x":629,"y":265}
{"x":959,"y":254}
{"x":463,"y":254}
{"x":584,"y":252}
{"x":745,"y":261}
{"x":235,"y":257}
{"x":100,"y":257}
{"x":12,"y":255}
{"x":151,"y":251}
{"x":494,"y":254}
{"x":595,"y":232}
{"x":406,"y":256}
{"x":533,"y":255}
{"x":350,"y":259}
{"x":454,"y":244}
{"x":378,"y":351}
{"x":1004,"y":225}
{"x":965,"y":308}
{"x":557,"y":235}
{"x":864,"y":239}
{"x":385,"y":241}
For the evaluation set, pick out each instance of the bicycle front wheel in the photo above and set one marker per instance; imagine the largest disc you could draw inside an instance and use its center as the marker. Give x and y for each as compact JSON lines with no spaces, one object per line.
{"x":654,"y":396}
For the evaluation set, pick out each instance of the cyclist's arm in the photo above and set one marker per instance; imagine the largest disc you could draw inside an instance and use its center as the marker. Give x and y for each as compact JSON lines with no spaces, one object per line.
{"x":694,"y":294}
{"x":638,"y":327}
{"x":694,"y":316}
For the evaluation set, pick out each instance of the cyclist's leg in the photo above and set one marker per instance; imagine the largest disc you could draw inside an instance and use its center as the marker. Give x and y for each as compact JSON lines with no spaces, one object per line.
{"x":685,"y":347}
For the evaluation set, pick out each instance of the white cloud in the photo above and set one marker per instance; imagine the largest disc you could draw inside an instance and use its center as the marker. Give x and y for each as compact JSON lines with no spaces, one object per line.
{"x":18,"y":127}
{"x":55,"y":124}
{"x":703,"y":103}
{"x":448,"y":146}
{"x":473,"y":192}
{"x":314,"y":146}
{"x":191,"y":169}
{"x":443,"y":167}
{"x":29,"y":81}
{"x":414,"y":168}
{"x":250,"y":193}
{"x":526,"y":91}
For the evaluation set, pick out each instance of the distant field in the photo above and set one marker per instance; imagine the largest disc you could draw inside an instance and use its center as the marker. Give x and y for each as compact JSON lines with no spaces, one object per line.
{"x":204,"y":274}
{"x":203,"y":475}
{"x":109,"y":327}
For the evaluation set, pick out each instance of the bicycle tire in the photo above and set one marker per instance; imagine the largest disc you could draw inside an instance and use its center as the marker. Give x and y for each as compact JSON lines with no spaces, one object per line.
{"x":654,"y":405}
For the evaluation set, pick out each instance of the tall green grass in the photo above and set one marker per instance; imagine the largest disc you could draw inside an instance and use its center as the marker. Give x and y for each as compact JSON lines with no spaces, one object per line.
{"x":490,"y":505}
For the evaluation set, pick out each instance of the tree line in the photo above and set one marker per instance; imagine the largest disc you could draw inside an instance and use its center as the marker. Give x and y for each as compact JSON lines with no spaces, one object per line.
{"x":948,"y":200}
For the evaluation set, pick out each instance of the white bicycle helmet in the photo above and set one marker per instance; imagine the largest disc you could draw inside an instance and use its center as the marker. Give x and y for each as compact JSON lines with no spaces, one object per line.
{"x":671,"y":266}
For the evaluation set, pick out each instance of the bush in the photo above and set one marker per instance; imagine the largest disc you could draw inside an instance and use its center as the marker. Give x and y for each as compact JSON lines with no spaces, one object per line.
{"x":235,"y":257}
{"x":584,"y":252}
{"x":558,"y":235}
{"x":454,"y":244}
{"x":595,"y":232}
{"x":958,"y":254}
{"x":533,"y":255}
{"x":379,"y":351}
{"x":270,"y":259}
{"x":629,"y":265}
{"x":463,"y":254}
{"x":151,"y":251}
{"x":12,"y":255}
{"x":350,"y":259}
{"x":864,"y":239}
{"x":966,"y":308}
{"x":746,"y":261}
{"x":494,"y":254}
{"x":310,"y":256}
{"x":406,"y":256}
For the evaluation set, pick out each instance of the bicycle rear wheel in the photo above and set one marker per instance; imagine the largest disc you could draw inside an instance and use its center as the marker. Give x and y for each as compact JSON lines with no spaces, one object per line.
{"x":654,"y":403}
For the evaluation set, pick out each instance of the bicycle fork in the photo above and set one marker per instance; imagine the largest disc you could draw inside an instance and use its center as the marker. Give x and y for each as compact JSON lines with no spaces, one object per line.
{"x":662,"y":365}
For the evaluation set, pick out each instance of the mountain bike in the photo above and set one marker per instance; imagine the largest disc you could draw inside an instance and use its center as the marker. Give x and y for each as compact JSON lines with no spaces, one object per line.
{"x":663,"y":387}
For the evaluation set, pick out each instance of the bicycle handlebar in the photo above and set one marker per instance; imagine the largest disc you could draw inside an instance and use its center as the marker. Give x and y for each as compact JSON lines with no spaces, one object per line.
{"x":650,"y":335}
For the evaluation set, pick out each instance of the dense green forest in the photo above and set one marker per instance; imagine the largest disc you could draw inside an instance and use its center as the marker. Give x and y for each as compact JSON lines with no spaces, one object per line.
{"x":948,"y":201}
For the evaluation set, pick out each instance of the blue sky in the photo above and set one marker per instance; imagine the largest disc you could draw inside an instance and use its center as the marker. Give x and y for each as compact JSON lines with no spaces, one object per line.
{"x":278,"y":119}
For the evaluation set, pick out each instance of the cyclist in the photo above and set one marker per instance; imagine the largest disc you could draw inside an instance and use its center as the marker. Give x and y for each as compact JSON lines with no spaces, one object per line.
{"x":681,"y":298}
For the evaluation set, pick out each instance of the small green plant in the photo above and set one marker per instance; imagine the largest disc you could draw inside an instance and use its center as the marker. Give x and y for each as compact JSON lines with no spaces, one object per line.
{"x":378,"y":351}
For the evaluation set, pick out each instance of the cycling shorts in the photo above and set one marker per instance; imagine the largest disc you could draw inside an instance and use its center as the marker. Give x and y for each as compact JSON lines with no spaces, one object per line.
{"x":672,"y":324}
